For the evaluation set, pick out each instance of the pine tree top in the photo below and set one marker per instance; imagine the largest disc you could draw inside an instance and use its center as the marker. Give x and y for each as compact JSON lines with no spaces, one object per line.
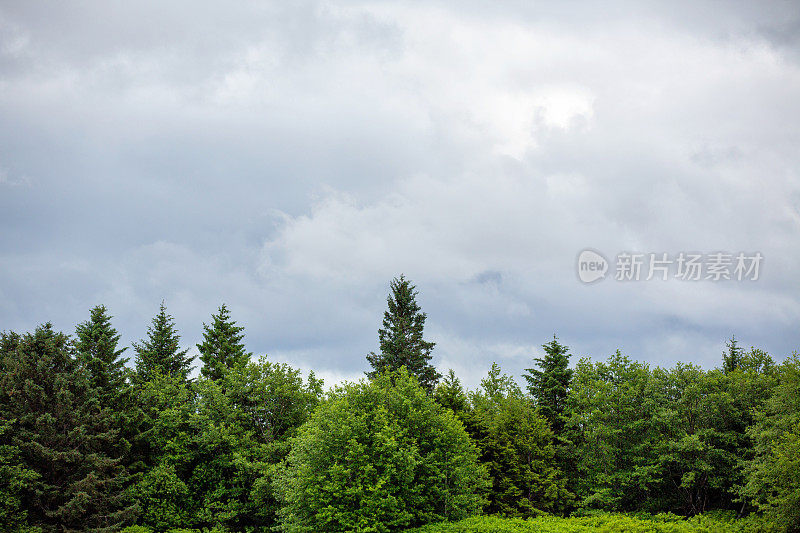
{"x":548,"y":383}
{"x":401,"y":337}
{"x":732,"y":359}
{"x":160,"y":351}
{"x":96,"y":342}
{"x":222,"y":347}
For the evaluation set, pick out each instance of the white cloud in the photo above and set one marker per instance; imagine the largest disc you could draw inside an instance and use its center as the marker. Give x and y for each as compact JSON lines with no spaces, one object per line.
{"x":290,"y":159}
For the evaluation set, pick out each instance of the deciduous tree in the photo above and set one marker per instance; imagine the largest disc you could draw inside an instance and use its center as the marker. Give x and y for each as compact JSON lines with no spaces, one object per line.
{"x":380,"y":456}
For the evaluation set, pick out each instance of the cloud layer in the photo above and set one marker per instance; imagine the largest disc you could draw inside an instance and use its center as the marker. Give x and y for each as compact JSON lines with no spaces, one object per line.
{"x":290,"y":159}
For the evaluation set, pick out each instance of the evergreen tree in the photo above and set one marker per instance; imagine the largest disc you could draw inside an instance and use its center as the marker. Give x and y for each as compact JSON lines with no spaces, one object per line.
{"x":516,"y":446}
{"x":15,"y":482}
{"x":222,"y":346}
{"x":549,"y":383}
{"x":449,"y":393}
{"x":401,"y":341}
{"x":96,"y":342}
{"x":16,"y":478}
{"x":97,"y":351}
{"x":733,"y":357}
{"x":58,"y":429}
{"x":160,"y":352}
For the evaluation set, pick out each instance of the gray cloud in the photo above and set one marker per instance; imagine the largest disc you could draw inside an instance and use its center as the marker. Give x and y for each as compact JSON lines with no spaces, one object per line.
{"x":290,"y":159}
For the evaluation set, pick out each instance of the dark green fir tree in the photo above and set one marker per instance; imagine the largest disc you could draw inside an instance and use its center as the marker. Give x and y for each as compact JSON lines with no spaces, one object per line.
{"x":222,"y":347}
{"x":160,"y":352}
{"x":97,"y":343}
{"x":98,"y":352}
{"x":401,"y":340}
{"x":58,"y":428}
{"x":732,"y":359}
{"x":548,"y":384}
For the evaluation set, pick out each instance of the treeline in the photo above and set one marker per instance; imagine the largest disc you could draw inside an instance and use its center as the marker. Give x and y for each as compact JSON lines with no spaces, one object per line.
{"x":89,"y":442}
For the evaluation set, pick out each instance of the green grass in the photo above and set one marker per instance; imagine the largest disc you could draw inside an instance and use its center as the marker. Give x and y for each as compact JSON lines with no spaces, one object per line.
{"x":711,"y":523}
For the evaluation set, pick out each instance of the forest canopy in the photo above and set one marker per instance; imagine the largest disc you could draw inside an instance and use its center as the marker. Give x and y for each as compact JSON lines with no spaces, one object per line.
{"x":90,"y":441}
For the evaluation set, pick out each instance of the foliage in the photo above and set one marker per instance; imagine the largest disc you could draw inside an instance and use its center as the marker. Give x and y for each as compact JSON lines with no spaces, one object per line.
{"x":222,"y":346}
{"x":160,"y":352}
{"x":450,"y":394}
{"x":603,"y":523}
{"x":516,"y":445}
{"x":213,"y":445}
{"x":732,"y":358}
{"x":15,"y":478}
{"x":773,"y":484}
{"x":96,"y":342}
{"x":166,"y":405}
{"x":164,"y":498}
{"x":548,"y":384}
{"x":664,"y":440}
{"x":614,"y":426}
{"x":401,"y":340}
{"x":55,"y":424}
{"x":244,"y":422}
{"x":86,"y":444}
{"x":379,"y":456}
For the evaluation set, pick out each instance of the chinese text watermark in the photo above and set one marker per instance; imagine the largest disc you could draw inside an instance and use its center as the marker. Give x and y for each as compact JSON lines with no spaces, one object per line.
{"x":684,"y":266}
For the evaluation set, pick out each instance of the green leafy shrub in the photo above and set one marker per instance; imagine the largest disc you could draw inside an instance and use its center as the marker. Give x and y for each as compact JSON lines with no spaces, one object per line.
{"x":380,"y":456}
{"x":136,"y":529}
{"x":163,"y":497}
{"x":603,"y":523}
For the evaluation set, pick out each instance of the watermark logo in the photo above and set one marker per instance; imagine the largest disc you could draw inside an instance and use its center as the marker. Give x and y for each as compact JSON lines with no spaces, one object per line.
{"x":592,"y":266}
{"x":683,"y":266}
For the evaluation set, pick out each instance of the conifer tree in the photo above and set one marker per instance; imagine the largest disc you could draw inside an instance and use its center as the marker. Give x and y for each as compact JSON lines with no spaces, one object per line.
{"x":401,"y":341}
{"x":16,"y":478}
{"x":731,"y":360}
{"x":222,"y":346}
{"x":160,"y":351}
{"x":450,"y":393}
{"x":59,"y":429}
{"x":517,"y":447}
{"x":549,"y":383}
{"x":96,"y":342}
{"x":97,"y":351}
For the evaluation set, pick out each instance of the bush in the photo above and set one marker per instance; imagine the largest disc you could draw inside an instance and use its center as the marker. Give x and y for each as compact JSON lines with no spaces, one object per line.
{"x":603,"y":522}
{"x":380,"y":456}
{"x":164,"y":498}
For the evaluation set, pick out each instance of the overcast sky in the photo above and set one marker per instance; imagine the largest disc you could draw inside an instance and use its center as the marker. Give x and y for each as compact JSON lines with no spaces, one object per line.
{"x":291,"y":158}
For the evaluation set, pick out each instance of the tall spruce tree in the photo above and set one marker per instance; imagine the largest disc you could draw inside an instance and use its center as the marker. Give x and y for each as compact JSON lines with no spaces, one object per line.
{"x":58,"y":428}
{"x":97,"y":341}
{"x":222,"y":347}
{"x":731,"y":360}
{"x":549,"y":383}
{"x":160,"y":352}
{"x":401,"y":341}
{"x":16,"y":478}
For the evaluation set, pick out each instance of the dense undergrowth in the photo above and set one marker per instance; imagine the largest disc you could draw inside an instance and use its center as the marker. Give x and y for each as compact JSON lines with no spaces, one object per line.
{"x":714,"y":522}
{"x":605,"y":522}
